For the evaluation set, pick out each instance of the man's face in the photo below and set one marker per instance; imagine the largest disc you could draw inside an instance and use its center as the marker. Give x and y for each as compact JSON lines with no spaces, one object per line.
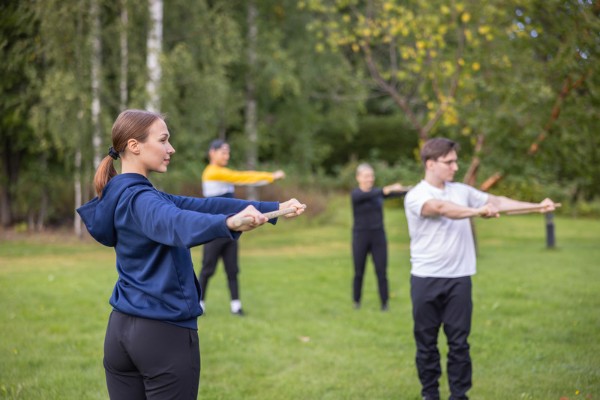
{"x":219,"y":156}
{"x":444,"y":167}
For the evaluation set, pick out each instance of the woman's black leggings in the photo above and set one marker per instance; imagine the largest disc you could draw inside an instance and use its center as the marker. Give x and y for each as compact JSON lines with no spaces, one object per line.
{"x":363,"y":243}
{"x":148,"y":359}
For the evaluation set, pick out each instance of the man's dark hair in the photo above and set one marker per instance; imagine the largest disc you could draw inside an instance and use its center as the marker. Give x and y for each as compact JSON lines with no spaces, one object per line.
{"x":216,"y":144}
{"x":436,"y":148}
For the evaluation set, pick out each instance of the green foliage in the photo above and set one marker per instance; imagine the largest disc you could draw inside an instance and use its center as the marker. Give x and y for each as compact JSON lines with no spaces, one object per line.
{"x":337,"y":82}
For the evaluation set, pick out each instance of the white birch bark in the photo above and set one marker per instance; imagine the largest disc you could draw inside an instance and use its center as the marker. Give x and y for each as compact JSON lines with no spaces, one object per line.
{"x":154,"y":46}
{"x":124,"y":96}
{"x":78,"y":192}
{"x":250,"y":123}
{"x":96,"y":62}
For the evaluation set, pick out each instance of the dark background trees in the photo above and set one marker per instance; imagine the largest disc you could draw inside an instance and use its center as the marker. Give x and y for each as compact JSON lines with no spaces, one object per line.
{"x":309,"y":86}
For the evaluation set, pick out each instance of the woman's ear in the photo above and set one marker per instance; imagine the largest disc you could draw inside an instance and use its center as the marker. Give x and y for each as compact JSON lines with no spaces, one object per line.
{"x":133,"y":146}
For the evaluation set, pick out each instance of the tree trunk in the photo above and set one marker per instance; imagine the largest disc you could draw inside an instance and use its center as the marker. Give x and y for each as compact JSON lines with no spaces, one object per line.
{"x":78,"y":193}
{"x":471,"y":175}
{"x":250,"y":124}
{"x":96,"y":63}
{"x":124,"y":98}
{"x":154,"y":46}
{"x":11,"y":160}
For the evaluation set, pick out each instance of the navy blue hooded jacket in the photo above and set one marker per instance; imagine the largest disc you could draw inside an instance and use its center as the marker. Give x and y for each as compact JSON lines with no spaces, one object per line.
{"x":152,"y":233}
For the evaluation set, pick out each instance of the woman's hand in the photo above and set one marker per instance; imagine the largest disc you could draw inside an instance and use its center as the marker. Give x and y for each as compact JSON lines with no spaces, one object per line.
{"x":293,"y":203}
{"x":246,"y":220}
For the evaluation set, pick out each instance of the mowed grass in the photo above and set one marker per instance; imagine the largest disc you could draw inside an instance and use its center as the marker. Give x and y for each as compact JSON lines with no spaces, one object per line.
{"x":535,"y":335}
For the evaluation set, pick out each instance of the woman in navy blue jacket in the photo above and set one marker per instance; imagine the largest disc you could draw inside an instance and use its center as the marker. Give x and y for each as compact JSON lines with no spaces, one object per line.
{"x":151,"y":346}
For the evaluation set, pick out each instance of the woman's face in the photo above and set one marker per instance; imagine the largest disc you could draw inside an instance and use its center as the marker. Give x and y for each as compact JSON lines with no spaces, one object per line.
{"x":156,"y":151}
{"x":365,"y":179}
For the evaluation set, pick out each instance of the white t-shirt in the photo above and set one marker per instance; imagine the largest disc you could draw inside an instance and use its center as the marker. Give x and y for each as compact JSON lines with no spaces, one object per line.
{"x":441,"y":247}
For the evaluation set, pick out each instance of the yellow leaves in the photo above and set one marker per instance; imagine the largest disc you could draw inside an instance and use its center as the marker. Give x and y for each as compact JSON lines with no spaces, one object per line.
{"x":346,"y":18}
{"x":448,"y":68}
{"x":355,"y":47}
{"x":476,"y":66}
{"x":407,"y":53}
{"x":388,"y":6}
{"x":468,"y":35}
{"x":484,"y":30}
{"x":319,"y":47}
{"x":465,"y":17}
{"x":450,"y":116}
{"x":445,"y":10}
{"x":420,"y":44}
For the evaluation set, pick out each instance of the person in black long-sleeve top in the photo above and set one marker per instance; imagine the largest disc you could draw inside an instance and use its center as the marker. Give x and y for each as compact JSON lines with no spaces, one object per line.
{"x":368,"y":233}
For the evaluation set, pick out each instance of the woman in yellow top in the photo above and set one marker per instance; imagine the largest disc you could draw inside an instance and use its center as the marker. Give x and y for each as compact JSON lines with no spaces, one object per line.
{"x":220,"y":181}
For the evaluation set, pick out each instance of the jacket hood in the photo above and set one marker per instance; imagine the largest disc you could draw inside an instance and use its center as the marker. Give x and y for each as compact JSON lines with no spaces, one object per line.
{"x":99,"y":213}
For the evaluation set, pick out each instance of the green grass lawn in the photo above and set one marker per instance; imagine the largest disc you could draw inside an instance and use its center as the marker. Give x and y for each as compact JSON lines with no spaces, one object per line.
{"x":536,"y":324}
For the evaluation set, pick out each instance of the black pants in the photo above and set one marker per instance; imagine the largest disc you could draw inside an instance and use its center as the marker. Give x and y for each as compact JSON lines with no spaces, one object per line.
{"x":363,"y":243}
{"x":447,"y":302}
{"x":228,"y":250}
{"x":148,"y":359}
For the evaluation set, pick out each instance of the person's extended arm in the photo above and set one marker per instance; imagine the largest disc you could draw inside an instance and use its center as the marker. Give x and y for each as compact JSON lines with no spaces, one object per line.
{"x":503,"y":203}
{"x":448,"y":209}
{"x":222,"y":174}
{"x":394,"y":188}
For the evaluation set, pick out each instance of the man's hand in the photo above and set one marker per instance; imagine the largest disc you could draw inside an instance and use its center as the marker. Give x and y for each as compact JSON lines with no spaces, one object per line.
{"x":547,"y":206}
{"x":488,"y":211}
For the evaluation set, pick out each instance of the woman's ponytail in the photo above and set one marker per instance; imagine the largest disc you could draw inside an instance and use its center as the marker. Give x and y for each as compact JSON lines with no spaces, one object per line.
{"x":105,"y":172}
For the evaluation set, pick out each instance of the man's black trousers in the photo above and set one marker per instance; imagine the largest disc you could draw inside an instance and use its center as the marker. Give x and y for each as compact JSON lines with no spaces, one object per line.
{"x":442,"y":302}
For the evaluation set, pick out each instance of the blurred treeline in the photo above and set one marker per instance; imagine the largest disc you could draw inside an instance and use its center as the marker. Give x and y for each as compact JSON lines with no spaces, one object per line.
{"x":309,"y":86}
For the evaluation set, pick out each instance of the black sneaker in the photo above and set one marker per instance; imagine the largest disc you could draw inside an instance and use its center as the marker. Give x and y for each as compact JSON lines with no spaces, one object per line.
{"x":384,"y":307}
{"x":239,"y":313}
{"x":356,"y":305}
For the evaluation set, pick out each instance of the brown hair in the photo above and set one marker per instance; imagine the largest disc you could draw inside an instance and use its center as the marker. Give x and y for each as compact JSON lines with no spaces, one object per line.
{"x":130,"y":124}
{"x":436,"y":148}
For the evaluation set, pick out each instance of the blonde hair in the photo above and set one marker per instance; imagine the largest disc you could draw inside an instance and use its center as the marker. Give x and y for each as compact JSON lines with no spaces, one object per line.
{"x":130,"y":124}
{"x":363,"y":167}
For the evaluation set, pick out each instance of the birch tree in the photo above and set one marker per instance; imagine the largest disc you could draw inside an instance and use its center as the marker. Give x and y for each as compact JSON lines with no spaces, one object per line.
{"x":124,"y":51}
{"x":250,"y":123}
{"x":154,"y":49}
{"x":96,"y":66}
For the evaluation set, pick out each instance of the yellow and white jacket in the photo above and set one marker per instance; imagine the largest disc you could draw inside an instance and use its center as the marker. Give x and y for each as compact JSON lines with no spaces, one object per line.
{"x":219,"y":181}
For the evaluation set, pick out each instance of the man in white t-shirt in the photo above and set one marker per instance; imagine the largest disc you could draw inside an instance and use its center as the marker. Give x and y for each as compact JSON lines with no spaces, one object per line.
{"x":442,"y":255}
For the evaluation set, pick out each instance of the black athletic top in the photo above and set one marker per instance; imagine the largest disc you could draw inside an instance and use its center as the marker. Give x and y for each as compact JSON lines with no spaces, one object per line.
{"x":367,"y":208}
